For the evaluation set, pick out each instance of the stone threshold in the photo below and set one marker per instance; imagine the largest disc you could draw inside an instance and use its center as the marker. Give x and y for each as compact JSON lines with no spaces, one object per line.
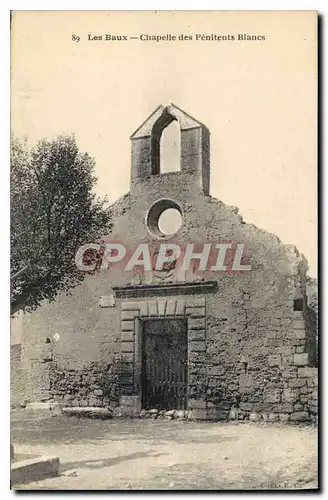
{"x":87,"y":412}
{"x":188,"y":288}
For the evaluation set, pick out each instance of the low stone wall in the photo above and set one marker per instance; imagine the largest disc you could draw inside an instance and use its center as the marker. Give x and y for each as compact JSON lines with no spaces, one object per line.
{"x":17,"y":378}
{"x":94,"y":385}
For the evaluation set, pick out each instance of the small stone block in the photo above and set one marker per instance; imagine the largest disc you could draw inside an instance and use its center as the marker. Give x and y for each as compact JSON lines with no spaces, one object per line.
{"x":127,"y":346}
{"x":307,"y":372}
{"x":180,"y":308}
{"x":254,"y":417}
{"x":130,"y":315}
{"x":130,"y":306}
{"x":296,"y":334}
{"x":299,"y":416}
{"x":127,"y":326}
{"x":152,"y":308}
{"x":196,"y":403}
{"x":195,"y":312}
{"x":127,"y":336}
{"x":297,"y":382}
{"x":128,"y":358}
{"x":161,"y":306}
{"x":273,"y":417}
{"x":274,"y":360}
{"x":107,"y":301}
{"x":194,"y":302}
{"x":196,"y":323}
{"x":196,"y":335}
{"x":197,"y":346}
{"x":171,"y":307}
{"x":301,"y":359}
{"x":298,"y":324}
{"x":198,"y":414}
{"x":196,"y":357}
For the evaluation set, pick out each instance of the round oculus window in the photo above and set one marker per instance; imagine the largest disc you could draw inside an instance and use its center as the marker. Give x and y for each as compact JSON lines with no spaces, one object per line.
{"x":164,"y":218}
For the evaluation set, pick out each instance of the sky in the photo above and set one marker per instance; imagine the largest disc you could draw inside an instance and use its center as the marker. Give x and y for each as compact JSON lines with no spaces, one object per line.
{"x":258,"y":99}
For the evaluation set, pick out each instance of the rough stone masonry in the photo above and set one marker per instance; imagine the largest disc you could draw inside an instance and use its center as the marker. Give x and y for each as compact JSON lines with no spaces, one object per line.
{"x":250,"y":346}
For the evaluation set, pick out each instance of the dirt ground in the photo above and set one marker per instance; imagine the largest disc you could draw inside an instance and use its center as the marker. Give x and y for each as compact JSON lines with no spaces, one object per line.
{"x":168,"y":455}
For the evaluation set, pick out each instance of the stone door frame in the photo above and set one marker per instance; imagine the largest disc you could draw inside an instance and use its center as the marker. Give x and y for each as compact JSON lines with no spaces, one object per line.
{"x":132,"y":314}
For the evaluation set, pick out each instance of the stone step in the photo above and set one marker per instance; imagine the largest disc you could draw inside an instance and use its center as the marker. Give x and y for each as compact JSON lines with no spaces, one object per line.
{"x":88,"y":412}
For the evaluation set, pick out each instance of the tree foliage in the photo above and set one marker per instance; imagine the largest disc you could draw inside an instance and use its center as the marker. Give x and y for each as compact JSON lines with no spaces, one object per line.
{"x":53,"y":211}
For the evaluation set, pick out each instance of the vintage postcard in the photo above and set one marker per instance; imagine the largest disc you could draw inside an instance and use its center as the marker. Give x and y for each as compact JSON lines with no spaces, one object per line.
{"x":164,"y":250}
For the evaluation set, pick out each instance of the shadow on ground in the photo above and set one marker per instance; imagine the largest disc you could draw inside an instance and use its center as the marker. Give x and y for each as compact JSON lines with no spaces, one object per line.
{"x":35,"y":428}
{"x":110,"y":462}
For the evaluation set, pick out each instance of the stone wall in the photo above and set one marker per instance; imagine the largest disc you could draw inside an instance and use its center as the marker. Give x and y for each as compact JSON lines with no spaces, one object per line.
{"x":255,"y":343}
{"x":251,"y":355}
{"x":95,"y":384}
{"x":17,"y":378}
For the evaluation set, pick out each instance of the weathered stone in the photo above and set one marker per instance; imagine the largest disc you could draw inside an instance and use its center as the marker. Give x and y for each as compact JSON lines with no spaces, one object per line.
{"x":197,"y":346}
{"x":297,"y":382}
{"x":129,"y":315}
{"x":233,"y":415}
{"x":285,"y":350}
{"x":273,"y":417}
{"x":298,"y":324}
{"x":128,"y":336}
{"x":299,"y":416}
{"x":68,"y":397}
{"x":284,"y":408}
{"x":127,"y":326}
{"x":197,"y":403}
{"x":301,"y":359}
{"x":197,"y":335}
{"x":297,"y":334}
{"x":196,"y":323}
{"x":170,"y":413}
{"x":199,"y":414}
{"x":195,"y":312}
{"x":284,"y":417}
{"x":254,"y":417}
{"x":98,"y":392}
{"x":290,"y":395}
{"x":246,"y":406}
{"x":127,"y":347}
{"x":273,"y":396}
{"x":274,"y":360}
{"x":306,"y":371}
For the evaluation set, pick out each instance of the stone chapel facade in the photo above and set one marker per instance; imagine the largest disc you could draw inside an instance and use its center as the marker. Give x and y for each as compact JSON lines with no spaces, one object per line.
{"x":218,"y":346}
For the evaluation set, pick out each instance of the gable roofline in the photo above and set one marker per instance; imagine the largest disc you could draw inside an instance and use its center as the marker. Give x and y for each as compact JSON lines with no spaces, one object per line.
{"x":146,"y":120}
{"x":170,"y":108}
{"x":187,"y":114}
